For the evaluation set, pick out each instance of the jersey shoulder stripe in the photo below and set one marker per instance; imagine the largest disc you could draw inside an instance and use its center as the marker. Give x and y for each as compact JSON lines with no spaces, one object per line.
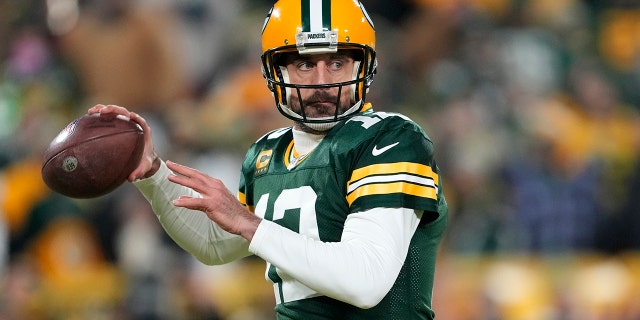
{"x":402,"y":177}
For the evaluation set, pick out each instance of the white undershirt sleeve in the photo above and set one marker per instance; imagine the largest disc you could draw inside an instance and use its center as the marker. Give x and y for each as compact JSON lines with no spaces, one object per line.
{"x":191,"y":230}
{"x":359,"y":270}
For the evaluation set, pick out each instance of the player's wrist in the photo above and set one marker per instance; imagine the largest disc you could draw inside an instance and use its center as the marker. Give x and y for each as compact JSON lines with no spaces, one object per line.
{"x":250,"y":227}
{"x":155,"y":166}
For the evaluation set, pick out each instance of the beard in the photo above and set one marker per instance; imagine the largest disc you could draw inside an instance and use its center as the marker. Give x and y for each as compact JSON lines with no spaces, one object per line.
{"x":321,"y":103}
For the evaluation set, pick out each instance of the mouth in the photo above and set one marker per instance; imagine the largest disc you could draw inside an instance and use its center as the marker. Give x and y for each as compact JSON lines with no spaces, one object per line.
{"x":321,"y":103}
{"x":320,"y":109}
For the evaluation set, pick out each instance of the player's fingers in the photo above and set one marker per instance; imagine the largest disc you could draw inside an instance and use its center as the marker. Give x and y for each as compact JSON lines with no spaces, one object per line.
{"x":95,"y":109}
{"x":138,"y":173}
{"x":190,"y":203}
{"x":182,"y":169}
{"x":110,"y":108}
{"x":184,"y":177}
{"x":145,"y":127}
{"x":198,"y":183}
{"x":196,"y":180}
{"x":140,"y":120}
{"x":205,"y":206}
{"x":180,"y":179}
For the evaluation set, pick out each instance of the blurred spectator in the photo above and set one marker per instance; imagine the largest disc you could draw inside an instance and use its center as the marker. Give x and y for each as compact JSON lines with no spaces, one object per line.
{"x":619,"y":231}
{"x":230,"y":116}
{"x":619,"y":45}
{"x":127,"y":53}
{"x":575,"y":172}
{"x":57,"y":253}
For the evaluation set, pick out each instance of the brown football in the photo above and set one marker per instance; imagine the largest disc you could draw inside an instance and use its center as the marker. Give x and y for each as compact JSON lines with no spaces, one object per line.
{"x":93,"y":155}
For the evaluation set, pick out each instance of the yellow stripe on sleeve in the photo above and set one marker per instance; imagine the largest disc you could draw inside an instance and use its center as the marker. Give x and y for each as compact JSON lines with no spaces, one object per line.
{"x":396,"y":187}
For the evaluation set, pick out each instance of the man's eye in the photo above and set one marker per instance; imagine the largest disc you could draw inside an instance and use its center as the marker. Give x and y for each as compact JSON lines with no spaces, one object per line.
{"x":304,"y":66}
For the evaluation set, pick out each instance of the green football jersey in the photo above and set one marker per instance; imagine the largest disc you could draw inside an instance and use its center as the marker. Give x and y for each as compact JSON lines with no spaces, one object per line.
{"x":374,"y":159}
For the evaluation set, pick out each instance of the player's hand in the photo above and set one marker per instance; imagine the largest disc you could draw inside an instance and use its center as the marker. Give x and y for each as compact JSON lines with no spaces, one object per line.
{"x":150,"y":162}
{"x":216,"y":202}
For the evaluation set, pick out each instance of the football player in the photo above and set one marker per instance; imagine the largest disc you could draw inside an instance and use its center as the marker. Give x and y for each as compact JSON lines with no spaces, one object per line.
{"x":346,"y":206}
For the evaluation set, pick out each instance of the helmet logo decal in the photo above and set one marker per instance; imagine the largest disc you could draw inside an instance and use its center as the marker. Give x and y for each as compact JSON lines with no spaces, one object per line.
{"x":329,"y":40}
{"x":316,"y":15}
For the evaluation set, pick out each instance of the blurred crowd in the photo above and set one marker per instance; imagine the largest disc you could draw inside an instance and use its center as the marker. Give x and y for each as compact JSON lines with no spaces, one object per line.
{"x":533,"y":106}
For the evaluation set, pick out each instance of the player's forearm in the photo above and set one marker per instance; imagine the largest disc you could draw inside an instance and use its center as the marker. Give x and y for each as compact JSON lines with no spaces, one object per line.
{"x":192,"y":230}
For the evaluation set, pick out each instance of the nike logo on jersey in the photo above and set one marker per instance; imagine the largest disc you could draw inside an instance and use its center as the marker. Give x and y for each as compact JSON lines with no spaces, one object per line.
{"x":376,"y":152}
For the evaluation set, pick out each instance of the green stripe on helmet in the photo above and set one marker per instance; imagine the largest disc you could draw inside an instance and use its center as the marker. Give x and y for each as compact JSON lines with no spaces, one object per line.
{"x":306,"y":19}
{"x":306,"y":8}
{"x":326,"y":15}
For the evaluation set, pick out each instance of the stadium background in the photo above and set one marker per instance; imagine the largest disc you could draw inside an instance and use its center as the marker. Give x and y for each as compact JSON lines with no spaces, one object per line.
{"x":532,"y":104}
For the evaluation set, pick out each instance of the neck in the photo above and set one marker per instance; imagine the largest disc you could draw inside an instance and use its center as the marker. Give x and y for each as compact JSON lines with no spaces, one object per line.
{"x":316,"y":128}
{"x":306,"y":141}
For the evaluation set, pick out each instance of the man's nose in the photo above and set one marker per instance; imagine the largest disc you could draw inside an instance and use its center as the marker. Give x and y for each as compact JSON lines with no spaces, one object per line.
{"x":321,"y":73}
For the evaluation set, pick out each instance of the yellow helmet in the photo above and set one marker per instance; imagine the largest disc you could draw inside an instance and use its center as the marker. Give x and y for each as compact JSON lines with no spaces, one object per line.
{"x":318,"y":26}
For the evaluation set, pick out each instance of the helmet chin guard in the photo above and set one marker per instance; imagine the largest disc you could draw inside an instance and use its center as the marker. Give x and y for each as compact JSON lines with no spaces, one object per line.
{"x":314,"y":27}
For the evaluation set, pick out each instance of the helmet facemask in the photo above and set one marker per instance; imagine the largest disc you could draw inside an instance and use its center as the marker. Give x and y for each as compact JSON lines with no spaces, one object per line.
{"x":294,"y":107}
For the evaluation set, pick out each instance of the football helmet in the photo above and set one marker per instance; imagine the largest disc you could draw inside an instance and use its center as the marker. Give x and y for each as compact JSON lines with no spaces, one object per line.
{"x":312,"y":27}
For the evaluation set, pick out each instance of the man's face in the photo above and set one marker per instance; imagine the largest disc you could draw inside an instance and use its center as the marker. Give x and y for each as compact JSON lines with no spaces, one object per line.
{"x":323,"y":68}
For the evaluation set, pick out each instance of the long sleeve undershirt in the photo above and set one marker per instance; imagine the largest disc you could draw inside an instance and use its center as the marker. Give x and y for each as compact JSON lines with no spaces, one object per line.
{"x":359,"y":270}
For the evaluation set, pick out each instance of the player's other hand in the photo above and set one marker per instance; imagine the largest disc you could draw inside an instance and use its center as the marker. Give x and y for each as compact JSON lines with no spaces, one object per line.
{"x":150,"y":162}
{"x":215,"y":201}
